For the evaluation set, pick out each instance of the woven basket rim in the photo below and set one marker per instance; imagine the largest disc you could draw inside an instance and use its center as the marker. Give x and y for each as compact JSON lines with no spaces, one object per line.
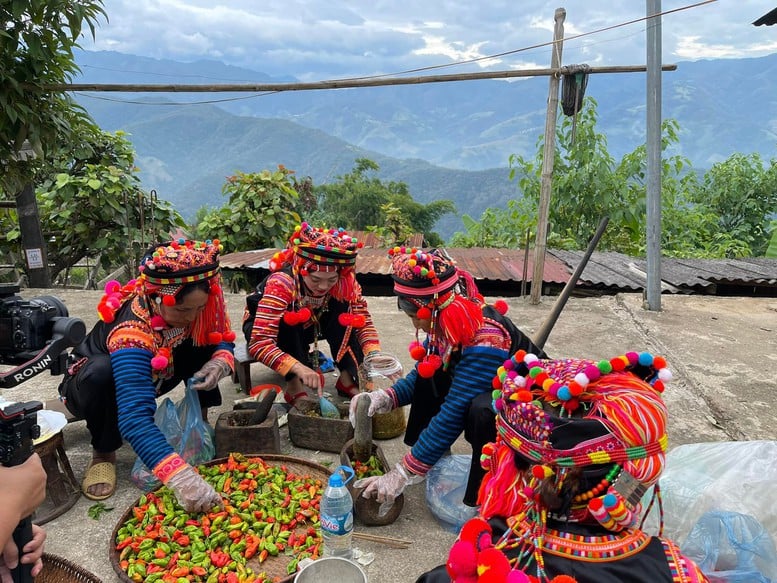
{"x":70,"y":568}
{"x":273,"y":459}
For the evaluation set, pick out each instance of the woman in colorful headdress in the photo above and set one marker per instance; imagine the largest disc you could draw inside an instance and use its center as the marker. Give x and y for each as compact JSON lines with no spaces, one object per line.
{"x":580,"y":446}
{"x":168,"y":325}
{"x":449,"y":389}
{"x":312,"y":293}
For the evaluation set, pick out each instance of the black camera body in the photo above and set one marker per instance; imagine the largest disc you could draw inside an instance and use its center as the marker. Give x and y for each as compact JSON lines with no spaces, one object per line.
{"x":34,"y":335}
{"x":26,"y":325}
{"x":18,"y":429}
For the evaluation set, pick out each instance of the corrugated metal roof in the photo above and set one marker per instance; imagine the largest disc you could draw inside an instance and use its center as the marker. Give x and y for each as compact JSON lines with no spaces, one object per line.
{"x":605,"y":271}
{"x":483,"y":264}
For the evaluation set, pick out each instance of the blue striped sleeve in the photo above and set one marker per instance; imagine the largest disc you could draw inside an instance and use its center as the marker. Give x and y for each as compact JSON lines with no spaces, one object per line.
{"x":136,"y":403}
{"x":473,"y":375}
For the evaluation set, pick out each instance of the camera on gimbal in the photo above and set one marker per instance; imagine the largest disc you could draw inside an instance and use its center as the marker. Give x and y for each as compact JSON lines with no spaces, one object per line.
{"x":18,"y":429}
{"x":34,"y":334}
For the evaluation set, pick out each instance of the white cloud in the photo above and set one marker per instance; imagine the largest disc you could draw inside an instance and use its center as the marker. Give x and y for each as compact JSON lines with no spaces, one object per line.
{"x":313,"y":39}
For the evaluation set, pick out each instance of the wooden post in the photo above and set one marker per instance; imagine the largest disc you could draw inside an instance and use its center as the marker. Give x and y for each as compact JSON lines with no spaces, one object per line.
{"x":33,"y":243}
{"x":549,"y":153}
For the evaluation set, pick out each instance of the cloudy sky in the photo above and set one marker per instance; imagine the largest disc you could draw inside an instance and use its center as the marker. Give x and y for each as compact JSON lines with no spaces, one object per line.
{"x":326,"y":39}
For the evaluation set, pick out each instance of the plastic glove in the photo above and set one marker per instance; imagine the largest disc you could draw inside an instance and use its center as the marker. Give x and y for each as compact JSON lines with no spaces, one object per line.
{"x":210,"y":374}
{"x":192,"y":492}
{"x":387,"y":487}
{"x":380,"y":402}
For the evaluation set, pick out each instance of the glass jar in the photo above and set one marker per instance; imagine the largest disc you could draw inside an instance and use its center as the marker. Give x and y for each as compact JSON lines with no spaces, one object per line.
{"x":380,"y":370}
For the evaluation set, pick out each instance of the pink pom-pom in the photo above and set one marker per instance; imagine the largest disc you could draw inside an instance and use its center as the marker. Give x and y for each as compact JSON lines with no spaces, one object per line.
{"x":159,"y":362}
{"x":462,"y":561}
{"x":517,"y":577}
{"x":158,"y":322}
{"x":112,"y":287}
{"x":113,"y":303}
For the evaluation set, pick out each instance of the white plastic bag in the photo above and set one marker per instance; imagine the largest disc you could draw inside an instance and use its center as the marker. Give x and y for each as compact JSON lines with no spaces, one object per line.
{"x":446,"y":484}
{"x":735,"y":476}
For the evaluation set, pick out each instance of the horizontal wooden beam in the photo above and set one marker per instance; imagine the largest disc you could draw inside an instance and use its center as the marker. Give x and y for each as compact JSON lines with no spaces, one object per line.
{"x":334,"y":84}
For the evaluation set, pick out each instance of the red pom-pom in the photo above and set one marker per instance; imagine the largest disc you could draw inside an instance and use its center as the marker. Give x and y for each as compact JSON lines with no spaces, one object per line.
{"x":417,"y":352}
{"x":496,"y":383}
{"x":493,"y":566}
{"x":303,"y":315}
{"x":473,"y":530}
{"x":345,"y":319}
{"x":229,"y":336}
{"x":563,"y":579}
{"x":659,"y":362}
{"x":424,"y":313}
{"x":659,"y":386}
{"x":426,"y":369}
{"x":169,"y":301}
{"x":158,"y":322}
{"x":106,"y":314}
{"x":617,"y":364}
{"x":214,"y":337}
{"x":291,"y":318}
{"x":358,"y":321}
{"x":501,"y":306}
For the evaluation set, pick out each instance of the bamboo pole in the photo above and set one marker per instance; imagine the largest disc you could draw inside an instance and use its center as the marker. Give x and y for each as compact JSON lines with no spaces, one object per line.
{"x":333,"y":84}
{"x":548,"y":157}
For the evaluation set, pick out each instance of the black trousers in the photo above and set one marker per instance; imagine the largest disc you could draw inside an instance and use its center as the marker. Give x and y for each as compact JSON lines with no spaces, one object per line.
{"x":90,"y":393}
{"x":479,"y":428}
{"x":296,"y":341}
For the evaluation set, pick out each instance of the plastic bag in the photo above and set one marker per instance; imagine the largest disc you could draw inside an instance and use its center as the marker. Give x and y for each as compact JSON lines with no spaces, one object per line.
{"x":186,"y":432}
{"x":730,"y":547}
{"x":735,"y":476}
{"x":446,"y":484}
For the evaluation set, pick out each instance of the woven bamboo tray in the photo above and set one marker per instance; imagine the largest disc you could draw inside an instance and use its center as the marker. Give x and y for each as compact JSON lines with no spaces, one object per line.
{"x":273,"y":566}
{"x":59,"y":570}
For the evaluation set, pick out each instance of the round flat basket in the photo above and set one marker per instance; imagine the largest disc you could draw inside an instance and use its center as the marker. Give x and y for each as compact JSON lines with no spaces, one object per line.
{"x":292,"y":504}
{"x":59,"y":570}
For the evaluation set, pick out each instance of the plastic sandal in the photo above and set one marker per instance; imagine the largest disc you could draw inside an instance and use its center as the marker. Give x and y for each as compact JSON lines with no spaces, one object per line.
{"x":99,"y":473}
{"x":349,"y":392}
{"x":292,"y":399}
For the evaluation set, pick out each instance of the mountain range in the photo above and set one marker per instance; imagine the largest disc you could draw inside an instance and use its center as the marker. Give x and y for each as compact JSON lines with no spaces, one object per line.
{"x":444,"y":140}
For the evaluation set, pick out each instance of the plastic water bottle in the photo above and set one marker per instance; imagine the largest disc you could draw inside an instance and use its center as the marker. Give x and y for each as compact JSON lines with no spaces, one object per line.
{"x":337,"y":515}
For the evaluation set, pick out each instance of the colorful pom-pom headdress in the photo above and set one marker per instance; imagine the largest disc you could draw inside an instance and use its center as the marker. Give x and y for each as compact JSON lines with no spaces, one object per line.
{"x":577,"y":440}
{"x":429,"y":286}
{"x":317,"y":249}
{"x":164,"y":271}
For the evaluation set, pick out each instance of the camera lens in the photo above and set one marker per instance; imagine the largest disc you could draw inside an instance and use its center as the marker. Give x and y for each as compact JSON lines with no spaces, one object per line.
{"x":54,"y":302}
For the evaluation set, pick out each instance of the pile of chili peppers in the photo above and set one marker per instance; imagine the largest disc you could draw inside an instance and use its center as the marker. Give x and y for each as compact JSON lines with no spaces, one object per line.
{"x":269,"y":511}
{"x":372,"y":467}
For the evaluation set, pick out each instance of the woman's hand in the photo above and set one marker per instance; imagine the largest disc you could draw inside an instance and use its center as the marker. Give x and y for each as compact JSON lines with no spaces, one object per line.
{"x":309,"y":377}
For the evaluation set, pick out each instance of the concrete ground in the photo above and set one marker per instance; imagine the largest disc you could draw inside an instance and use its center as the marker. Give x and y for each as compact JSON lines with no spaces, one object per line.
{"x":723,"y":352}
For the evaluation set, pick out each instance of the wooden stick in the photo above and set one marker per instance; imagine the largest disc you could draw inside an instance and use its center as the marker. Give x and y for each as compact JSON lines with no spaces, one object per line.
{"x":397,"y":543}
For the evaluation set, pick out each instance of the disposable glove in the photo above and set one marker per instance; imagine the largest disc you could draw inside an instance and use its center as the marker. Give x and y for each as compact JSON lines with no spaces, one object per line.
{"x":386,"y":488}
{"x":210,"y":374}
{"x":380,"y":402}
{"x":192,"y":492}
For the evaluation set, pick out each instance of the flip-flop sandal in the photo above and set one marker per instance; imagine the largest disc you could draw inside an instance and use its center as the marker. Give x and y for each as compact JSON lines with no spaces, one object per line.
{"x":292,"y":399}
{"x":99,"y":473}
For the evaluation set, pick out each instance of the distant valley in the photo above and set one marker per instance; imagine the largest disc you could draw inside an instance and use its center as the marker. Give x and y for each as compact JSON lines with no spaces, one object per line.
{"x":445,"y":140}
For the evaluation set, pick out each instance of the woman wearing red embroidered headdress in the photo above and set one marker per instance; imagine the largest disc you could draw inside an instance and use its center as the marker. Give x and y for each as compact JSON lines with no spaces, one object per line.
{"x":167,"y":326}
{"x":311,"y":294}
{"x":579,"y":445}
{"x":449,"y":390}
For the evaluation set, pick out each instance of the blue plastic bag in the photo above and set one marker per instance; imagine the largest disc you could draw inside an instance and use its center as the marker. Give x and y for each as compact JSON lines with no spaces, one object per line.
{"x":186,"y":432}
{"x":730,"y":547}
{"x":446,"y":484}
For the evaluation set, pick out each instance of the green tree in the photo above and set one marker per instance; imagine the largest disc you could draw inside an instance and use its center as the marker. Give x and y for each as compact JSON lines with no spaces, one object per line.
{"x":92,"y":206}
{"x":36,"y":48}
{"x":261,"y":211}
{"x":356,"y":201}
{"x":588,"y":184}
{"x":741,"y":193}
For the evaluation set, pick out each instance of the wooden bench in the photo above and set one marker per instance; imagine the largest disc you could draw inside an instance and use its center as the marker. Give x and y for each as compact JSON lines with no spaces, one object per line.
{"x":242,"y":374}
